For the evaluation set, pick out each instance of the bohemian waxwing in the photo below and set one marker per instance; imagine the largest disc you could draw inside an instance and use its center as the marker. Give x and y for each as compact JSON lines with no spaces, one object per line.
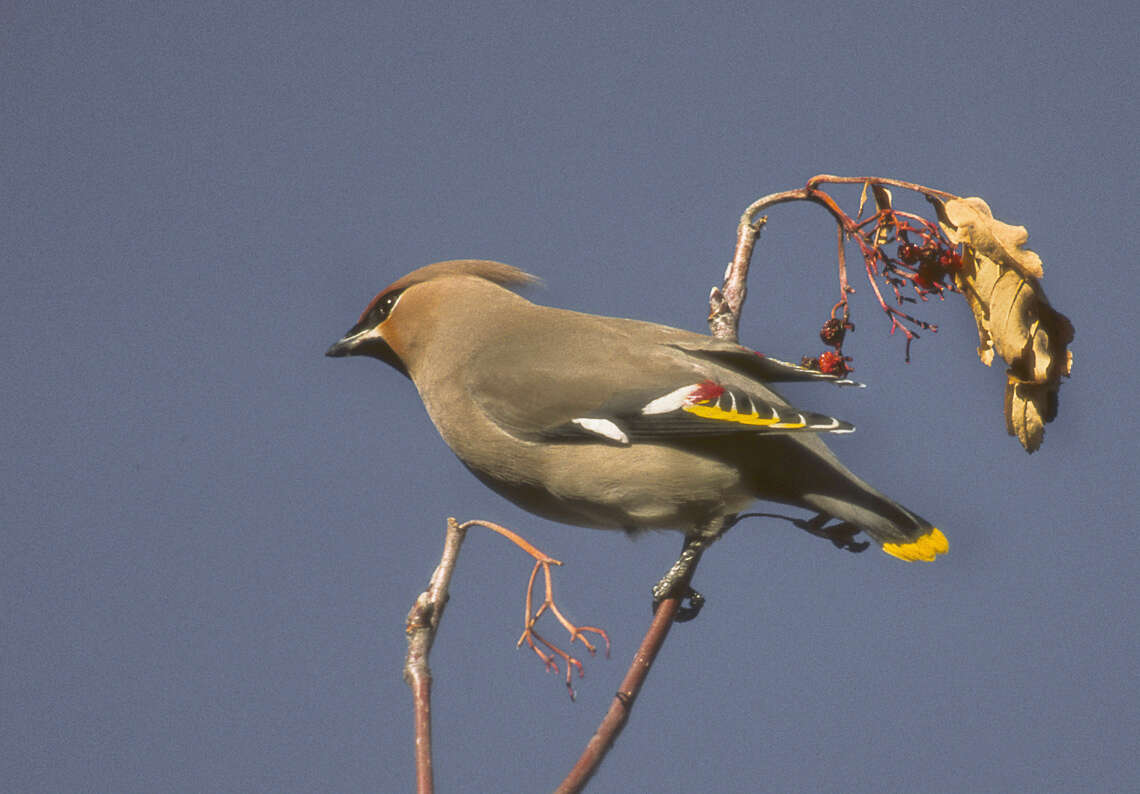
{"x":614,"y":423}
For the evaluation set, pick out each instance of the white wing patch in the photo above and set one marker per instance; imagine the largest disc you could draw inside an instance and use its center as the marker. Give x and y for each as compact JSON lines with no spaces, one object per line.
{"x":673,"y":401}
{"x":602,"y":427}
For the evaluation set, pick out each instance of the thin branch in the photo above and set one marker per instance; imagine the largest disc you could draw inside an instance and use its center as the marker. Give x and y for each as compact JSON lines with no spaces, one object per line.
{"x":530,"y":635}
{"x":421,"y":628}
{"x":855,"y":180}
{"x":622,"y":704}
{"x":725,"y":302}
{"x":533,"y":639}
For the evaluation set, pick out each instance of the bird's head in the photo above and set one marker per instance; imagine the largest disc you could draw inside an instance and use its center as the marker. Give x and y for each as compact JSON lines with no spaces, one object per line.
{"x":407,"y":314}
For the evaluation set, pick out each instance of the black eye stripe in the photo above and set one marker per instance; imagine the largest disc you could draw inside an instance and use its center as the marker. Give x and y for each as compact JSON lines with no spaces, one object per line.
{"x":376,"y":313}
{"x":382,"y":308}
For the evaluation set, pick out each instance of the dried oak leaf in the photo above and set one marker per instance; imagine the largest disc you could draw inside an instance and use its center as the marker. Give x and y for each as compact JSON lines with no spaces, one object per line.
{"x":1000,"y":280}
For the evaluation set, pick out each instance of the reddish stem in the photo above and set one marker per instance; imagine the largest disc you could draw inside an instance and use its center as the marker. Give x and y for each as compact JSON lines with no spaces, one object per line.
{"x":622,"y":703}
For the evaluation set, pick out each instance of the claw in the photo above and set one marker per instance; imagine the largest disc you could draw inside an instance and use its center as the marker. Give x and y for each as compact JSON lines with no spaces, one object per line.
{"x":685,"y":612}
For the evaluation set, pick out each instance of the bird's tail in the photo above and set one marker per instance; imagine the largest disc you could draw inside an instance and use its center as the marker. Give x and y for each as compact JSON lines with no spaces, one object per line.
{"x":900,"y":532}
{"x":802,"y":471}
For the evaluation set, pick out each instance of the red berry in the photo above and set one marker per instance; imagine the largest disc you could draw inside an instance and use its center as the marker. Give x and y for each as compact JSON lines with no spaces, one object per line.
{"x":929,"y":273}
{"x":908,"y":253}
{"x":833,"y":332}
{"x":831,"y":363}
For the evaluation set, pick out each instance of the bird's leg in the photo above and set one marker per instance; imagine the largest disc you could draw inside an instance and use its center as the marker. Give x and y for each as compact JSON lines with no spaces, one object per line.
{"x":675,"y":583}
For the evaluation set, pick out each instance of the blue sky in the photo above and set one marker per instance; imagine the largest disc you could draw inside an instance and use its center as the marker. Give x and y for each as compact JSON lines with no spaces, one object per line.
{"x":212,"y":533}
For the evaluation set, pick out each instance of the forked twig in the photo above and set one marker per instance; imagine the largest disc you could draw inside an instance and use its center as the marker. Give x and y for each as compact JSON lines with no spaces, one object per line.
{"x":427,"y":611}
{"x":533,"y":639}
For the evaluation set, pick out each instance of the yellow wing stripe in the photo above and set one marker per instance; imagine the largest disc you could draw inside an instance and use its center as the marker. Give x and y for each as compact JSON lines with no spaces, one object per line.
{"x":925,"y":548}
{"x":754,"y":418}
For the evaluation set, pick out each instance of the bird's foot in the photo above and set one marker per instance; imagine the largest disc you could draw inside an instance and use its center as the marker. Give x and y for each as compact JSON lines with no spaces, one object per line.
{"x":841,"y":535}
{"x":675,"y":583}
{"x":691,"y":601}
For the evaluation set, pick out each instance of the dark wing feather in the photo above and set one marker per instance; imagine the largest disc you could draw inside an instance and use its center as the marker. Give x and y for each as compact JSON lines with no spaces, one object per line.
{"x":759,"y":366}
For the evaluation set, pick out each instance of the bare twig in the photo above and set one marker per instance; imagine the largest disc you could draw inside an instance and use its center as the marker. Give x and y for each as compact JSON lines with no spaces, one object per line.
{"x":427,"y":611}
{"x":533,"y":639}
{"x":421,"y":628}
{"x":726,"y":301}
{"x":622,"y":704}
{"x":530,"y":636}
{"x":855,"y":180}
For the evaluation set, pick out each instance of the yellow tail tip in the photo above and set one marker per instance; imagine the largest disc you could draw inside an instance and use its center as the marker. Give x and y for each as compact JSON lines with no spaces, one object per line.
{"x":925,"y":548}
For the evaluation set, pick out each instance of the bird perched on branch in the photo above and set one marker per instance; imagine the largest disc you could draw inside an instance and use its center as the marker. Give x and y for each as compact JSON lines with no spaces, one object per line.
{"x":614,"y":423}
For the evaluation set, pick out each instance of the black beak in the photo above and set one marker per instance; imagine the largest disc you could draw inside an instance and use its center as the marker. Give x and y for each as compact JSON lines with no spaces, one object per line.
{"x":341,"y":348}
{"x":373,"y":346}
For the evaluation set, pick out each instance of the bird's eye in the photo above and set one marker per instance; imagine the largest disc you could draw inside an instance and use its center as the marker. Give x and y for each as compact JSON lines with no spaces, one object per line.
{"x":383,"y":307}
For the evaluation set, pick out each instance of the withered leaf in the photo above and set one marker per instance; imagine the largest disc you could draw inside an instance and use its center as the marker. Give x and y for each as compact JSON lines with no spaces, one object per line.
{"x":1000,"y":279}
{"x":976,"y":226}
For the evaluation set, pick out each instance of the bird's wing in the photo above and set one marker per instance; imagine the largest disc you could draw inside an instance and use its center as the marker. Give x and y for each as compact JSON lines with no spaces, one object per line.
{"x":635,"y":392}
{"x":702,"y":408}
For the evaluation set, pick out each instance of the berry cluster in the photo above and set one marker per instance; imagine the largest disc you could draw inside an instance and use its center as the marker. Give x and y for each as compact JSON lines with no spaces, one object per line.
{"x":831,"y":362}
{"x":911,"y":255}
{"x":928,"y":264}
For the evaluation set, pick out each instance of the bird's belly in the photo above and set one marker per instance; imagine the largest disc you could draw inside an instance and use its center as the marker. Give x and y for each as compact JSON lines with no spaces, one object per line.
{"x":644,"y":486}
